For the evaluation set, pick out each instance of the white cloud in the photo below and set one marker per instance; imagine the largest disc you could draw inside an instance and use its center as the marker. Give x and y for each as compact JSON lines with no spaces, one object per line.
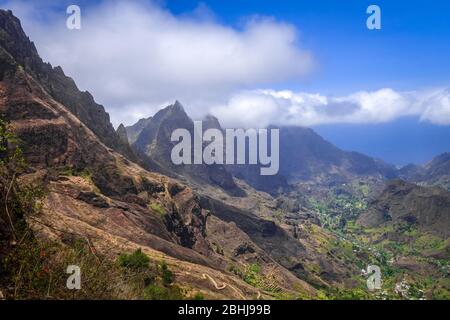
{"x":130,"y":54}
{"x":262,"y":107}
{"x":437,"y":107}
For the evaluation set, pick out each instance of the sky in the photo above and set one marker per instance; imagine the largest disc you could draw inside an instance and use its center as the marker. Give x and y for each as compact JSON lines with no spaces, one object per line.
{"x":251,"y":63}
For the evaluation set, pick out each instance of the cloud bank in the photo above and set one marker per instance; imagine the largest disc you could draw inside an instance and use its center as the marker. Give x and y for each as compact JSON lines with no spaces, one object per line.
{"x":263,"y":107}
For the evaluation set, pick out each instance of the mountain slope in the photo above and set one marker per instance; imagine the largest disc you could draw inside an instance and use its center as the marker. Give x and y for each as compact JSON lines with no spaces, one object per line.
{"x":135,"y":130}
{"x":306,"y":156}
{"x":215,"y":243}
{"x":426,"y":208}
{"x":434,"y":173}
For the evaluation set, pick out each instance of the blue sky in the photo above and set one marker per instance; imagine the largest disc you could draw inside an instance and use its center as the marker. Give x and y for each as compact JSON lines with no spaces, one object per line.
{"x":399,"y":142}
{"x":307,"y":51}
{"x":411,"y":50}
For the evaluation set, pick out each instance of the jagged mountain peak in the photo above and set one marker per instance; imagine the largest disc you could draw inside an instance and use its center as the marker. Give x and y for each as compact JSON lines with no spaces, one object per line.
{"x":211,"y":122}
{"x":122,"y":133}
{"x":169,"y":118}
{"x":174,"y":110}
{"x":14,"y":40}
{"x":178,"y":105}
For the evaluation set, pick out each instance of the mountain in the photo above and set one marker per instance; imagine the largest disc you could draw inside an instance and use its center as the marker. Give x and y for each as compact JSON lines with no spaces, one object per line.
{"x":424,"y":208}
{"x":412,"y":172}
{"x":250,"y":173}
{"x":134,"y":130}
{"x":122,"y":134}
{"x":154,"y":145}
{"x":94,"y":193}
{"x":435,"y":172}
{"x":306,"y":156}
{"x":437,"y":168}
{"x":409,"y":225}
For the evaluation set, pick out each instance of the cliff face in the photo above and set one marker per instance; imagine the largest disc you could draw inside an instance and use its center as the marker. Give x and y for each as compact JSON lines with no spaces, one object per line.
{"x":122,"y":133}
{"x":135,"y":130}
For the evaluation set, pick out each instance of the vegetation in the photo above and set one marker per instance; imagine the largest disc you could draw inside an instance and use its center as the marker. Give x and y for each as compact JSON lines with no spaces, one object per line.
{"x":252,"y":275}
{"x":134,"y":261}
{"x":37,"y":270}
{"x":154,"y":292}
{"x":34,"y":268}
{"x":167,"y":275}
{"x":158,"y":208}
{"x":198,"y":296}
{"x":338,"y":212}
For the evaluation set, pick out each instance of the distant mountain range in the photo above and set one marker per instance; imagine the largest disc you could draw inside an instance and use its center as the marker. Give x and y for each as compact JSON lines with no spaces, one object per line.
{"x":304,"y":155}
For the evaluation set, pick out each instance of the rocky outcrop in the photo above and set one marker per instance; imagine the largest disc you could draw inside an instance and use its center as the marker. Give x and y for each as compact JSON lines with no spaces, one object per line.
{"x":122,"y":134}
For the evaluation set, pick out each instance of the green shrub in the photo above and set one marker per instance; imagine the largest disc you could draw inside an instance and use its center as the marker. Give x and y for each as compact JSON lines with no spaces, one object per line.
{"x":67,"y":171}
{"x":252,"y":275}
{"x":71,"y":171}
{"x":167,"y":275}
{"x":154,"y":292}
{"x":135,"y":261}
{"x":158,"y":208}
{"x":198,"y":296}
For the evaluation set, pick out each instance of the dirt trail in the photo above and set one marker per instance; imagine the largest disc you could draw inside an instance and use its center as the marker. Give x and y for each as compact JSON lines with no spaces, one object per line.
{"x":224,"y":285}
